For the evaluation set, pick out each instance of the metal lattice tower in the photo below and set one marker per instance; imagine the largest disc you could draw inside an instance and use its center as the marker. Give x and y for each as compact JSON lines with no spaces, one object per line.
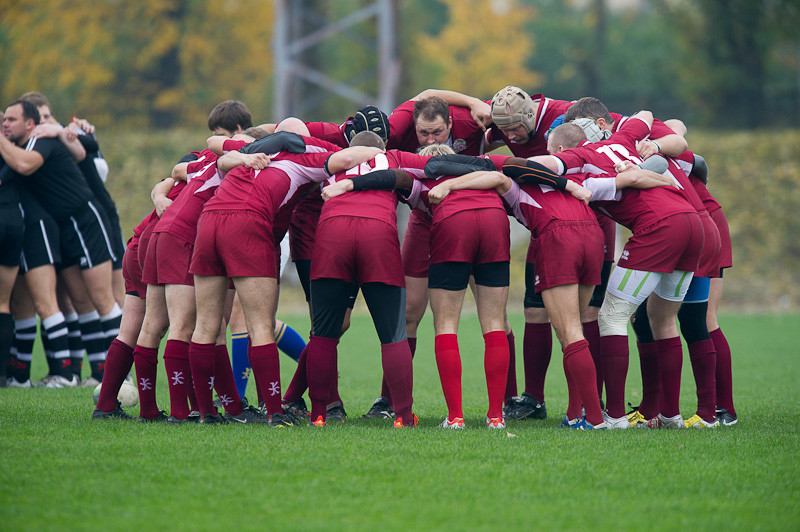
{"x":301,"y":82}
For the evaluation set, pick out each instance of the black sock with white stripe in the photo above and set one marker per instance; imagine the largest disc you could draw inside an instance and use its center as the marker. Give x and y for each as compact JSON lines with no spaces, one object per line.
{"x":75,"y":343}
{"x":110,"y":323}
{"x":6,"y":341}
{"x":94,"y":341}
{"x":55,"y":328}
{"x":24,"y":337}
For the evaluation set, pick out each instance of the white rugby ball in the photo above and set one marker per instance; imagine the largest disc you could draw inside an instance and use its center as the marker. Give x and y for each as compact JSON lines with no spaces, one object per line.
{"x":128,"y":395}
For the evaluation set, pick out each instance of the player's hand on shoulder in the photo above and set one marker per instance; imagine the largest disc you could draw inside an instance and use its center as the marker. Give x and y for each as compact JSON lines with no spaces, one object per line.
{"x":337,"y":189}
{"x":438,"y":193}
{"x":257,"y":161}
{"x":579,"y":192}
{"x":46,"y":131}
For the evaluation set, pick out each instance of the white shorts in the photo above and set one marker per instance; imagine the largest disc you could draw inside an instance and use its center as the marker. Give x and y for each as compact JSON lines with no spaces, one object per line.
{"x":635,"y":285}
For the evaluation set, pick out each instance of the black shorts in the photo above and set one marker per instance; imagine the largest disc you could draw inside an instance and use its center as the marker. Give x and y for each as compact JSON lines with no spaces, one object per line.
{"x":84,"y":239}
{"x":115,"y":235}
{"x":532,"y":298}
{"x":599,"y":293}
{"x":454,"y":276}
{"x":41,"y":242}
{"x":12,"y":230}
{"x":304,"y":274}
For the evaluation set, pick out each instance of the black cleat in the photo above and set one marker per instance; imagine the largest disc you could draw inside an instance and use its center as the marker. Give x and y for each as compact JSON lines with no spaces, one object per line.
{"x":296,"y":409}
{"x":161,"y":417}
{"x":511,"y":405}
{"x":248,"y":416}
{"x":381,"y":409}
{"x":213,"y":419}
{"x":281,"y":420}
{"x":118,"y":413}
{"x":528,"y":407}
{"x":725,"y":418}
{"x":336,"y":413}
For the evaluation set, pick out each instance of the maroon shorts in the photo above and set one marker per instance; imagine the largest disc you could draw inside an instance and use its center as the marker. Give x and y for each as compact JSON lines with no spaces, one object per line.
{"x":353,"y":249}
{"x":150,"y":267}
{"x":672,"y":243}
{"x":132,"y":272}
{"x":609,"y":228}
{"x":416,"y":249}
{"x":709,"y":260}
{"x":173,"y":257}
{"x":726,"y":251}
{"x":234,"y":244}
{"x":568,"y":252}
{"x":144,"y":241}
{"x":477,"y":236}
{"x":302,"y":228}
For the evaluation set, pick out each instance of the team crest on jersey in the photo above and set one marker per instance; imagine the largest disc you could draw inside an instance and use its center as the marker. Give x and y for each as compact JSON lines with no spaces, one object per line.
{"x":459,"y":145}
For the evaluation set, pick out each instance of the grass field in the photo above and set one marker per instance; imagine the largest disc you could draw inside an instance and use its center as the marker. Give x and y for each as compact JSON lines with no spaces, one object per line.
{"x":62,"y":471}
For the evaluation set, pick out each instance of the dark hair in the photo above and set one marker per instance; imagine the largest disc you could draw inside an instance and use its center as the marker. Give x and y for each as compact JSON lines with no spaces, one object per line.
{"x":29,"y":111}
{"x":567,"y":135}
{"x":588,"y":107}
{"x":367,"y":138}
{"x":256,"y":132}
{"x":36,"y":98}
{"x":230,"y":115}
{"x":432,"y":108}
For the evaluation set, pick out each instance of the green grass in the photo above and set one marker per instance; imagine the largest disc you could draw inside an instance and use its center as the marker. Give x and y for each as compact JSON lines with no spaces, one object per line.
{"x":62,"y":471}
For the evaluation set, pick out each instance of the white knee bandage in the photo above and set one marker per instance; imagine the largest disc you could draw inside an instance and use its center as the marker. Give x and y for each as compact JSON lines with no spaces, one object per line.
{"x":614,"y":316}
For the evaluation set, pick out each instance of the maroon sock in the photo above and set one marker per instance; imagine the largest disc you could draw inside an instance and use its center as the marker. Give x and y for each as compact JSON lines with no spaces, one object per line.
{"x":614,"y":352}
{"x":385,"y":391}
{"x":651,"y":381}
{"x":581,"y":366}
{"x":119,"y":361}
{"x":495,"y":365}
{"x":321,"y":368}
{"x":448,"y":360}
{"x":224,"y":383}
{"x":190,"y":391}
{"x":670,"y":363}
{"x":399,"y":374}
{"x":145,"y":359}
{"x":176,"y":363}
{"x":573,"y":396}
{"x":201,"y":361}
{"x":591,"y":331}
{"x":511,"y":380}
{"x":537,"y":346}
{"x":704,"y":365}
{"x":299,"y":383}
{"x":267,"y":373}
{"x":724,"y":373}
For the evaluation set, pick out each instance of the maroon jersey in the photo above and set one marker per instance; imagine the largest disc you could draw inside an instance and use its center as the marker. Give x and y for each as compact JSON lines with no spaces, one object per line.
{"x":535,"y":206}
{"x":202,"y":180}
{"x":466,"y":137}
{"x":329,"y":132}
{"x":635,"y":209}
{"x":375,"y":204}
{"x":546,"y":113}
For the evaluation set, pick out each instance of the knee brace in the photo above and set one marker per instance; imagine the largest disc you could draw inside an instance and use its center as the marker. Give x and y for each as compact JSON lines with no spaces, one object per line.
{"x":614,"y":316}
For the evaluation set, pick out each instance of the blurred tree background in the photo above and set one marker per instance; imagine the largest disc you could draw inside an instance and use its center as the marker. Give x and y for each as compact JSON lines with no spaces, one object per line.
{"x":148,"y":72}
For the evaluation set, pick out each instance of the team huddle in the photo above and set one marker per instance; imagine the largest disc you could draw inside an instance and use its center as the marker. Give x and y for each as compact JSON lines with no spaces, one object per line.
{"x":208,"y":258}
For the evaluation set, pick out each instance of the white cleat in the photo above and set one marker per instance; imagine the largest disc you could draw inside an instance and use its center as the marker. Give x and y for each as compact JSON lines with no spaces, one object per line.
{"x":457,"y":423}
{"x":57,"y":381}
{"x":616,"y":422}
{"x":14,"y":383}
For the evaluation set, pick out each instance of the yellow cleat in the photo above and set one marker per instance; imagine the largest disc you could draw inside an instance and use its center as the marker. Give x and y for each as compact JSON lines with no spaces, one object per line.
{"x":699,"y":423}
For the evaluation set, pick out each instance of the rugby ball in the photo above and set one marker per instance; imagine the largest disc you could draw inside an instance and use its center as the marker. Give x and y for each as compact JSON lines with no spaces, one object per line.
{"x":128,"y":395}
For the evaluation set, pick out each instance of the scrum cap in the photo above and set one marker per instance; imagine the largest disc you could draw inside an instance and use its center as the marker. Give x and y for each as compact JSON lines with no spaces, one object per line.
{"x":511,"y":107}
{"x":368,"y":118}
{"x":592,"y":130}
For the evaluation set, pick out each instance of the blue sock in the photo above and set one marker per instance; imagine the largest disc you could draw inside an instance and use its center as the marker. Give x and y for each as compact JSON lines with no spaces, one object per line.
{"x":240,"y":361}
{"x":290,"y":342}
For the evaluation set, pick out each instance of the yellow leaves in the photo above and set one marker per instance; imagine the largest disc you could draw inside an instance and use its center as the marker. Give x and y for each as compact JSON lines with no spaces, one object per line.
{"x":483,"y":47}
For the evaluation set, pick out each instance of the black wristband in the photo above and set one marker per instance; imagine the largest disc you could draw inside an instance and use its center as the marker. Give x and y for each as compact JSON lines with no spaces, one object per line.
{"x":456,"y":165}
{"x":378,"y":180}
{"x":282,"y":141}
{"x":533,"y":172}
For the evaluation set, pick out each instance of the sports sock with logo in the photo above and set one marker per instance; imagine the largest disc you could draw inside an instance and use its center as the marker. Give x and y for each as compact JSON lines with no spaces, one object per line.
{"x":321,"y":371}
{"x":448,"y":361}
{"x":290,"y":342}
{"x":240,"y":361}
{"x":75,"y":344}
{"x":24,"y":338}
{"x":201,"y":361}
{"x":55,"y":328}
{"x":176,"y":364}
{"x":267,"y":373}
{"x":224,"y":384}
{"x":537,"y":347}
{"x":145,"y":359}
{"x":94,"y":341}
